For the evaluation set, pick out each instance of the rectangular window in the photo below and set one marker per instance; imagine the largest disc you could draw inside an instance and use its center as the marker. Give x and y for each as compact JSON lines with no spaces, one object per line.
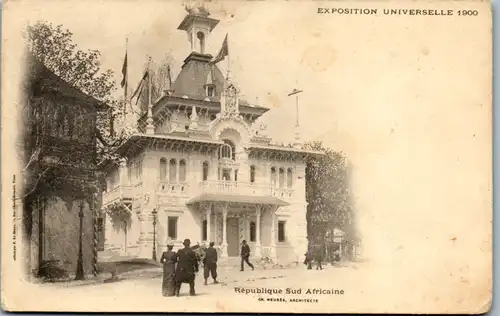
{"x":252,"y":231}
{"x":226,"y":174}
{"x":281,"y":231}
{"x":204,"y":230}
{"x":100,"y":224}
{"x":172,"y":227}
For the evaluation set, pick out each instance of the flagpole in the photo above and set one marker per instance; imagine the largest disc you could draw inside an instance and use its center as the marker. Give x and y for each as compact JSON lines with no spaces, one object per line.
{"x":150,"y":129}
{"x":228,"y":58}
{"x":126,"y":80}
{"x":149,"y":81}
{"x":126,"y":70}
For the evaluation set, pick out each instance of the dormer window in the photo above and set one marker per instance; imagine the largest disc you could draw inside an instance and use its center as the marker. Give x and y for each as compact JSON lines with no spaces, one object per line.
{"x":210,"y":90}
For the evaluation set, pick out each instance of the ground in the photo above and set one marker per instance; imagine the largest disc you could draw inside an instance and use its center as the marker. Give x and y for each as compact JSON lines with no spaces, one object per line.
{"x":140,"y":290}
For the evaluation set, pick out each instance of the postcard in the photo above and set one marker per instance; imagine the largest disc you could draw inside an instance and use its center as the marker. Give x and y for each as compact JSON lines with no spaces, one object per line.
{"x":247,"y":156}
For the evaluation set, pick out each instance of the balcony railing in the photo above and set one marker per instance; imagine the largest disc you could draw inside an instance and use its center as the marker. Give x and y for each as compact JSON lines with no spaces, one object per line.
{"x":121,"y":192}
{"x":167,"y":188}
{"x":243,"y":188}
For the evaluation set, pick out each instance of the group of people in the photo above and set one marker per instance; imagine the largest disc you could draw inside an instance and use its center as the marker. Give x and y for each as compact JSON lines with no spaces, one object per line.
{"x":181,"y":266}
{"x":316,"y":254}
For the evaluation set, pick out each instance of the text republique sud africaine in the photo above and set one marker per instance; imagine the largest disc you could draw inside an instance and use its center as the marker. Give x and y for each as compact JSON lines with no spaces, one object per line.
{"x":271,"y":291}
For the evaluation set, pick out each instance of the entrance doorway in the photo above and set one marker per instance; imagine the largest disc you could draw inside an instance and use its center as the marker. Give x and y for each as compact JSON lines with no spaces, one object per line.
{"x":233,"y":241}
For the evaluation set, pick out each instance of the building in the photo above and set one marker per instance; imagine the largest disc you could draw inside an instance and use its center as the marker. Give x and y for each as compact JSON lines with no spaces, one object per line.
{"x":58,"y":150}
{"x":203,"y":168}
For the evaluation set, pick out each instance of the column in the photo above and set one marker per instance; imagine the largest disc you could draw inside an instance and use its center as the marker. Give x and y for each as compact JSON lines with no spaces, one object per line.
{"x":144,"y":249}
{"x":258,"y":246}
{"x":273,"y":235}
{"x":209,"y":215}
{"x":224,"y":232}
{"x":216,"y":228}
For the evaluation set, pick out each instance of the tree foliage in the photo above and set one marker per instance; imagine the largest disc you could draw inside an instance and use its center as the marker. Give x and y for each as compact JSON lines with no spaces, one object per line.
{"x":328,"y":193}
{"x":53,"y":46}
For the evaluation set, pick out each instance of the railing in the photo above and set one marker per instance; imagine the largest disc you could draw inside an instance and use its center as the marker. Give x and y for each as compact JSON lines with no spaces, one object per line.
{"x":243,"y":188}
{"x":120,"y":192}
{"x":209,"y":187}
{"x":172,"y":187}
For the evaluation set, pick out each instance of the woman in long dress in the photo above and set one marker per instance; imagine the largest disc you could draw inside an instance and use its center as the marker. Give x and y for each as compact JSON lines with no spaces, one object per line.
{"x":169,"y":260}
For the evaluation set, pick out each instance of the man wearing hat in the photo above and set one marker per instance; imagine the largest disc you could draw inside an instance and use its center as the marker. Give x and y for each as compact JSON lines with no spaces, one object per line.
{"x":187,"y":267}
{"x":210,"y":263}
{"x":245,"y":254}
{"x":169,"y":259}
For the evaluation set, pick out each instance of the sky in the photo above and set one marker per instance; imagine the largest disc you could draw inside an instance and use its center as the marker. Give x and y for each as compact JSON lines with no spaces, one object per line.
{"x":266,"y":68}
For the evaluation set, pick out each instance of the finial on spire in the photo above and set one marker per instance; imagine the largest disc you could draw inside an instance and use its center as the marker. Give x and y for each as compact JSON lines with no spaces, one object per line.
{"x":197,"y":10}
{"x":297,"y":143}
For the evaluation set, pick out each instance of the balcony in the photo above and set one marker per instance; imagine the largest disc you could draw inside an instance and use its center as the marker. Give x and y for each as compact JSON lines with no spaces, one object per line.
{"x":121,"y":192}
{"x":243,"y":188}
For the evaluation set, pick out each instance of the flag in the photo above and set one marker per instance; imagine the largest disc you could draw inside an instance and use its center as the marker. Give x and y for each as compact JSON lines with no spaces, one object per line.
{"x":224,"y":51}
{"x":124,"y":72}
{"x":139,"y":87}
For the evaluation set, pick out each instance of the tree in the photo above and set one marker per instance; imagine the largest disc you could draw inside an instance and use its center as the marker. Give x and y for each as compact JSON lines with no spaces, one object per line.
{"x":54,"y":47}
{"x":328,"y":192}
{"x":161,"y":78}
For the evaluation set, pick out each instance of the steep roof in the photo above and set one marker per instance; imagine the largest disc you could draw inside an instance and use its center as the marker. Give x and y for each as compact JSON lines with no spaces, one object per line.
{"x":37,"y":74}
{"x":195,"y":74}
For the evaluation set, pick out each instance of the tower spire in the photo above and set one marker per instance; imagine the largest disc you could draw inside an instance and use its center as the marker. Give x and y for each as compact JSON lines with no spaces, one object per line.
{"x":198,"y":25}
{"x":297,"y":142}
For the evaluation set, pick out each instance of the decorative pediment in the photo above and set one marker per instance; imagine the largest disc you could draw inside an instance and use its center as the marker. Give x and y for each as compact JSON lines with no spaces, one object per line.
{"x":230,"y":102}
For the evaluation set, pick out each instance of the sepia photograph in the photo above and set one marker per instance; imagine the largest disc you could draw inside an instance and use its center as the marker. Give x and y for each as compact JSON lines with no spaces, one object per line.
{"x":247,"y":156}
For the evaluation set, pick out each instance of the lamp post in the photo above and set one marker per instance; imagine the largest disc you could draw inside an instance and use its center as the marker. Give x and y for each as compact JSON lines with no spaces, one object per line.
{"x":79,"y":263}
{"x":154,"y":234}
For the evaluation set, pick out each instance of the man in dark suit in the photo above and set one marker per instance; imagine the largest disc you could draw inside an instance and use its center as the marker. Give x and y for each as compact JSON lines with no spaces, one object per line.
{"x":210,"y":263}
{"x":187,"y":267}
{"x":245,"y":254}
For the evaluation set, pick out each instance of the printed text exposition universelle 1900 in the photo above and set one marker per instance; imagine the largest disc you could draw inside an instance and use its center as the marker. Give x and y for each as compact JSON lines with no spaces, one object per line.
{"x":371,"y":11}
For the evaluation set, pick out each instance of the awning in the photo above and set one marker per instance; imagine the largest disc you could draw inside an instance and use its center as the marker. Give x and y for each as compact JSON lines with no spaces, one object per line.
{"x":236,"y":198}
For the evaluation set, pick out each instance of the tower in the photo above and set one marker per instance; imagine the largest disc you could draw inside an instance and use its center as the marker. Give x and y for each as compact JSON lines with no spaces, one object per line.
{"x":198,"y":26}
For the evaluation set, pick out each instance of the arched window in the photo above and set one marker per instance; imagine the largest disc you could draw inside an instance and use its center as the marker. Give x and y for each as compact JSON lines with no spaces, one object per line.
{"x":289,"y":178}
{"x":273,"y":176}
{"x":163,"y":169}
{"x":228,"y":150}
{"x":173,"y":170}
{"x":182,"y":170}
{"x":210,"y":91}
{"x":282,"y":178}
{"x":252,"y":174}
{"x":205,"y":171}
{"x":201,"y":39}
{"x":252,"y":231}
